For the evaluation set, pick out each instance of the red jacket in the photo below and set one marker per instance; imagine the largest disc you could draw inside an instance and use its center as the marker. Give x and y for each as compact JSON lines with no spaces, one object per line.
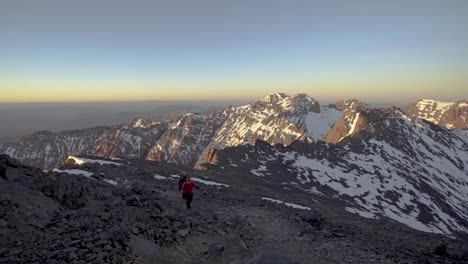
{"x":187,"y":187}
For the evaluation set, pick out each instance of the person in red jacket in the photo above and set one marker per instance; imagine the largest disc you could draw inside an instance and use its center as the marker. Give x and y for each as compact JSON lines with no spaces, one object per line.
{"x":187,"y":191}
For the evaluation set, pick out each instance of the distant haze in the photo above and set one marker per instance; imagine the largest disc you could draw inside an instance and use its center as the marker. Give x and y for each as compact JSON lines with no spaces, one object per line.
{"x":18,"y":120}
{"x":160,"y":59}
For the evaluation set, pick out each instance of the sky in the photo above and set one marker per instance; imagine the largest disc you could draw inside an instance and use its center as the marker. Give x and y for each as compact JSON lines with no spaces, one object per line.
{"x":116,"y":50}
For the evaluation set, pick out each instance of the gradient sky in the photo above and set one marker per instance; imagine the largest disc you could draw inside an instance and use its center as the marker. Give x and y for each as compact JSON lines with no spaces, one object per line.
{"x":95,"y":50}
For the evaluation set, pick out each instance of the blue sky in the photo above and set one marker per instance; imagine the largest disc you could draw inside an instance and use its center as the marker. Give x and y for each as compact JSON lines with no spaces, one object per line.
{"x":117,"y":50}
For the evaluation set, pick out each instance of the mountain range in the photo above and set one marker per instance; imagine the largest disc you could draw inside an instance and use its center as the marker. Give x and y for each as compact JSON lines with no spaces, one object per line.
{"x":409,"y":166}
{"x":277,"y":118}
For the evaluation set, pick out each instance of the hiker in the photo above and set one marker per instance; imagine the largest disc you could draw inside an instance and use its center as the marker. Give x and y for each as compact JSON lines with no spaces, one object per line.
{"x":187,"y":191}
{"x":182,"y":179}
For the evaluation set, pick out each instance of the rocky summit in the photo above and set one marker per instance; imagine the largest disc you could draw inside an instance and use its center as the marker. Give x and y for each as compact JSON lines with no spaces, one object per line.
{"x":130,"y":211}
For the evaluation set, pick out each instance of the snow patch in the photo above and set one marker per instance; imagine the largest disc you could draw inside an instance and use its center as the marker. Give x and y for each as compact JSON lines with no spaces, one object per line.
{"x":436,"y":105}
{"x":352,"y":128}
{"x":160,"y":177}
{"x":361,"y":213}
{"x":81,"y":161}
{"x":110,"y":181}
{"x":200,"y":181}
{"x":318,"y":124}
{"x":292,"y":205}
{"x":259,"y":172}
{"x":75,"y":172}
{"x":209,"y":182}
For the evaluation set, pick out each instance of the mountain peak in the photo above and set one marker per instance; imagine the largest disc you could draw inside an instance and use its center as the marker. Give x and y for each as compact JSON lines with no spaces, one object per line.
{"x":275,"y":97}
{"x":280,"y":103}
{"x":351,"y":104}
{"x":452,"y":115}
{"x":140,"y":123}
{"x":423,"y":103}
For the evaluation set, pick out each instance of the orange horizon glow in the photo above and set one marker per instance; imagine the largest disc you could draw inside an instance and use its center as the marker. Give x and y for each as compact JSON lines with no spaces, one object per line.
{"x":378,"y":88}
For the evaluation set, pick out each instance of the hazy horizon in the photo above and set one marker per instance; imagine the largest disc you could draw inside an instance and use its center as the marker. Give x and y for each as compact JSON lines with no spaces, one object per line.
{"x":26,"y":118}
{"x":76,"y":64}
{"x":236,"y":101}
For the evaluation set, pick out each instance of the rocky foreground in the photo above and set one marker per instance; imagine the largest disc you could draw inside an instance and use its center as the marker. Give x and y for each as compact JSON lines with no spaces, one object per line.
{"x":132,"y":212}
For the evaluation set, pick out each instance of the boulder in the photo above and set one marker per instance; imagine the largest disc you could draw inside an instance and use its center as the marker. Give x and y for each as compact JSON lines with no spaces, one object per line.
{"x":142,"y":246}
{"x":13,"y":173}
{"x":234,"y":249}
{"x":269,"y":258}
{"x":183,"y":232}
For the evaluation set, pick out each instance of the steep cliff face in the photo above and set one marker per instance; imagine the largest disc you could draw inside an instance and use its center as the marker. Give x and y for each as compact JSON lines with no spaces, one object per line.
{"x":185,"y":141}
{"x":353,"y":119}
{"x":131,"y":140}
{"x":346,"y":126}
{"x":452,"y":115}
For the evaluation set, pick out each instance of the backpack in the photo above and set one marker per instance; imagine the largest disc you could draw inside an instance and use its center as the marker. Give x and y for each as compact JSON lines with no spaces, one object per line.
{"x":181,"y":181}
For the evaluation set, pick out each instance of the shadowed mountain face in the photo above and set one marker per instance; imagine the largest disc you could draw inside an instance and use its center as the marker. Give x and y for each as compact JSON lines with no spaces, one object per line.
{"x":130,"y":211}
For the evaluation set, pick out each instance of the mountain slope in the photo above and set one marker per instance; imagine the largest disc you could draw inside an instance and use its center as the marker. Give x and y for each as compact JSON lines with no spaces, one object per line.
{"x":452,"y":115}
{"x":49,"y":150}
{"x":185,"y":140}
{"x":391,"y":166}
{"x":106,"y":214}
{"x":131,"y":140}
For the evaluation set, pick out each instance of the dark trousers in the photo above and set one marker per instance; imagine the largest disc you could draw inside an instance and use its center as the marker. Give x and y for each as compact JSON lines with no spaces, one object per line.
{"x":188,"y":197}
